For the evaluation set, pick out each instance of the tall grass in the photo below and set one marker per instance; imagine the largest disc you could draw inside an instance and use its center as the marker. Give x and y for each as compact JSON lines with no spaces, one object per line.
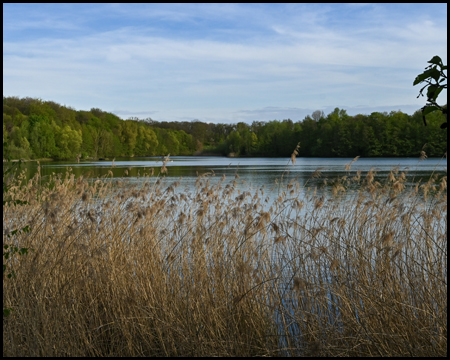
{"x":153,"y":270}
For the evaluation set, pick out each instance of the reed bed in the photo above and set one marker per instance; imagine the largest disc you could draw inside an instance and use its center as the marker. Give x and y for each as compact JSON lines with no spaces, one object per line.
{"x":152,"y":270}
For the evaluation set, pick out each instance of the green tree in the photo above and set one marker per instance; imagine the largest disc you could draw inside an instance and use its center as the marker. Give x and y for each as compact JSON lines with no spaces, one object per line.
{"x":234,"y":142}
{"x":146,"y":142}
{"x":39,"y":129}
{"x":19,"y":147}
{"x":87,"y":146}
{"x":171,"y":142}
{"x":42,"y":137}
{"x":68,"y":142}
{"x":117,"y":146}
{"x":129,"y":136}
{"x":187,"y":144}
{"x":106,"y":143}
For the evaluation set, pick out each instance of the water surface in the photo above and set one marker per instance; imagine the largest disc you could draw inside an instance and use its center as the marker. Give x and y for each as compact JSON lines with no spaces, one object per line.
{"x":254,"y":172}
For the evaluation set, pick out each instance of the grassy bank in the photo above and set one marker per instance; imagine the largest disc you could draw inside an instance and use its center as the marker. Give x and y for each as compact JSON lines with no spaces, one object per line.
{"x":153,"y":271}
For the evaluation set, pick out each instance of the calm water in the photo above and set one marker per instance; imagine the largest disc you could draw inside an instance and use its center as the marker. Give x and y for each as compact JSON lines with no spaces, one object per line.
{"x":253,"y":172}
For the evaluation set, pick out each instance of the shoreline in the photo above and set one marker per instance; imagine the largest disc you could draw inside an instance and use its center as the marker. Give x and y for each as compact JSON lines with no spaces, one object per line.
{"x":224,"y":156}
{"x":28,"y":160}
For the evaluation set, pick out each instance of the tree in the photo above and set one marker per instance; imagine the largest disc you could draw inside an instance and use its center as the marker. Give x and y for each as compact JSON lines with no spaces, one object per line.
{"x":68,"y":142}
{"x":317,"y":115}
{"x":146,"y":142}
{"x":234,"y":142}
{"x":42,"y":137}
{"x":434,"y":78}
{"x":129,"y":132}
{"x":106,"y":143}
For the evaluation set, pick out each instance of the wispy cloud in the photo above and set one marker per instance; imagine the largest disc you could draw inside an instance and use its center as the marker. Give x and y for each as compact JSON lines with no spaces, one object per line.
{"x":221,"y":61}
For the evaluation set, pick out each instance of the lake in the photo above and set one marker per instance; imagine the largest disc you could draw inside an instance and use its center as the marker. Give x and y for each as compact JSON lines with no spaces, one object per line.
{"x":252,"y":172}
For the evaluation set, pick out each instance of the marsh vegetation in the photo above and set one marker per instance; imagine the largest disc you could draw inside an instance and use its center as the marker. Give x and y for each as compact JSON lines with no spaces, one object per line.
{"x":145,"y":270}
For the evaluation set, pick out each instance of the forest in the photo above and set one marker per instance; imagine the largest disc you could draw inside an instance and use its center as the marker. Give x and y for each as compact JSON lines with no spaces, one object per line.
{"x":37,"y":129}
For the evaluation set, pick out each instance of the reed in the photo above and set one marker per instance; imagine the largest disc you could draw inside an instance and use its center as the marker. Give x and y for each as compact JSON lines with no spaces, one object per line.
{"x":152,"y":270}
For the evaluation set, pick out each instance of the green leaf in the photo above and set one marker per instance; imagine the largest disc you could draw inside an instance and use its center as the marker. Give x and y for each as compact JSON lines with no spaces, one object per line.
{"x":435,"y":60}
{"x":19,"y":202}
{"x":435,"y":73}
{"x":430,"y":73}
{"x":429,"y":109}
{"x":23,"y":251}
{"x":422,"y":77}
{"x":438,"y":91}
{"x":6,"y":312}
{"x":433,"y":92}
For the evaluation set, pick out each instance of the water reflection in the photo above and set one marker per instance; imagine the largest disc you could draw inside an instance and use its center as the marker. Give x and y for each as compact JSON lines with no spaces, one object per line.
{"x":254,"y":172}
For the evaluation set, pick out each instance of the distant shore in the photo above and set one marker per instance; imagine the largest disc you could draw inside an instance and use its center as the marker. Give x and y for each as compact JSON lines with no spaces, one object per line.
{"x":27,"y":160}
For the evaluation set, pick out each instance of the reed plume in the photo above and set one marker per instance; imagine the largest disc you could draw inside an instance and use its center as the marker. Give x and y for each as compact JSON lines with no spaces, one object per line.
{"x":150,"y":269}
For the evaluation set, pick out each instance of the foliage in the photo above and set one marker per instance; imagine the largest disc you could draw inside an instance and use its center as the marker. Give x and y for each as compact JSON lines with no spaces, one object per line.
{"x":47,"y":130}
{"x":433,"y":76}
{"x":394,"y":134}
{"x":43,"y":129}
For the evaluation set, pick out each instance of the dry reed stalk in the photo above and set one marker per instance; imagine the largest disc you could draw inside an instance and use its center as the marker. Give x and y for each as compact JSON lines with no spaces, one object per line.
{"x":160,"y":273}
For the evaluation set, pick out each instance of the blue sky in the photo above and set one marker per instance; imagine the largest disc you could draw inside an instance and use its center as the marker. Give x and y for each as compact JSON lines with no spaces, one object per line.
{"x":222,"y":62}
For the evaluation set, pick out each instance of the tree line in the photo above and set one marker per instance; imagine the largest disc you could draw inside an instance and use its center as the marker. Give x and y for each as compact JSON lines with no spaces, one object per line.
{"x":44,"y":129}
{"x":36,"y":129}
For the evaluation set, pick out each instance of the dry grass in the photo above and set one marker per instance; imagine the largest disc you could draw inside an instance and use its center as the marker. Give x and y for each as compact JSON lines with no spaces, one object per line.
{"x":155,"y":271}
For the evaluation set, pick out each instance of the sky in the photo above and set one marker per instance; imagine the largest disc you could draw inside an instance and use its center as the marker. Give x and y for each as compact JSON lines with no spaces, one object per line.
{"x":222,"y":63}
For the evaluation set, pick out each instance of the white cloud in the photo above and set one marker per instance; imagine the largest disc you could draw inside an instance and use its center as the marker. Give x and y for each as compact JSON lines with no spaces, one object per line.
{"x":295,"y":57}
